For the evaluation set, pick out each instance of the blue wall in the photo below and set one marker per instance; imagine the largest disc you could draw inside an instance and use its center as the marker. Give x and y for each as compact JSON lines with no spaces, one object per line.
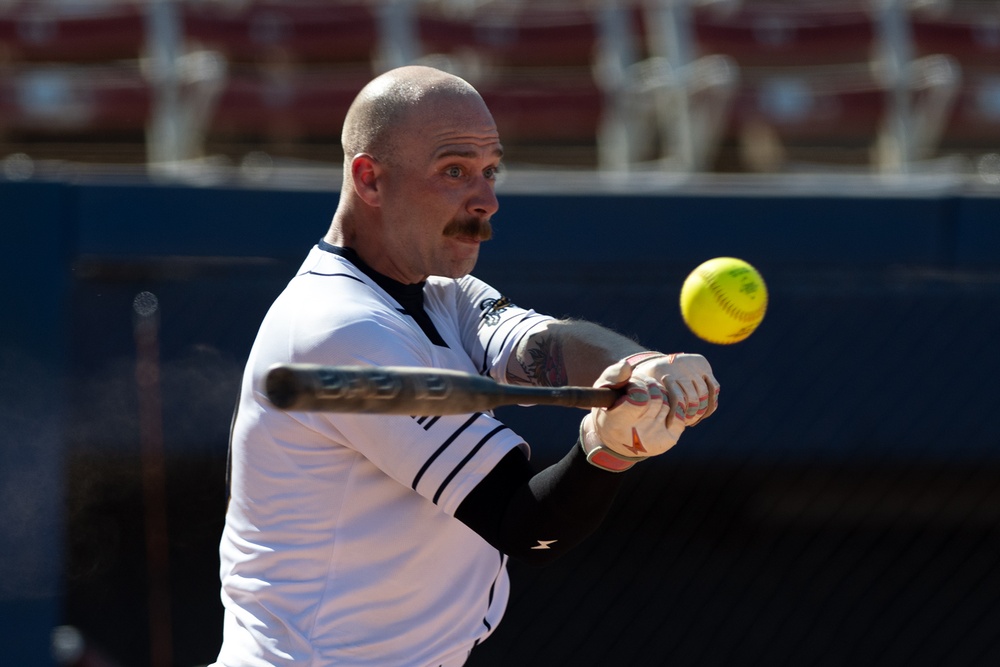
{"x":880,"y":343}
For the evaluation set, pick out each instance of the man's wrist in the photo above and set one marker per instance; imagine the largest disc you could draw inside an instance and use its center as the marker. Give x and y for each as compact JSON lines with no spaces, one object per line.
{"x":601,"y":456}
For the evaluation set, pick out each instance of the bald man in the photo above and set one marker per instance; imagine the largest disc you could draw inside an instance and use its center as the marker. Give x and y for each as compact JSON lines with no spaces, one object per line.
{"x":383,"y":540}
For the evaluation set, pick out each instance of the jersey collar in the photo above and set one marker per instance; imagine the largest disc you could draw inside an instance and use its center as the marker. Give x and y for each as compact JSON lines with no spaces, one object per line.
{"x":393,"y":287}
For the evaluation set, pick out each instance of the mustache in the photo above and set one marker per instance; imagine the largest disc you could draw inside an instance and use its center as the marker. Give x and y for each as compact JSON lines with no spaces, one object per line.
{"x":476,"y":228}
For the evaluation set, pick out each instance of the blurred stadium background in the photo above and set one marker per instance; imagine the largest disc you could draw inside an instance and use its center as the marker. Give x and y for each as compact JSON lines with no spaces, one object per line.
{"x":165,"y":164}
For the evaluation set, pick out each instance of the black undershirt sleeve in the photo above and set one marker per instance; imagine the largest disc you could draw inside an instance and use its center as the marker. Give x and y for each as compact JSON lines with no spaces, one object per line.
{"x":537,"y":517}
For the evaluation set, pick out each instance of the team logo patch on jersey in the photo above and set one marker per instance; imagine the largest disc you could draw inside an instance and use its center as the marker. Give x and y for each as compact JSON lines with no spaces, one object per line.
{"x":492,"y":308}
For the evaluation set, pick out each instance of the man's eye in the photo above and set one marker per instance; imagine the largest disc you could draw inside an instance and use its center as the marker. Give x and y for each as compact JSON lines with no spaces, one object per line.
{"x":454,"y":171}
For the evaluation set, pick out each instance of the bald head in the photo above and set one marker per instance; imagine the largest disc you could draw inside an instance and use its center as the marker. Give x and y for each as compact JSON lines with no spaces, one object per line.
{"x":389,"y":104}
{"x":422,"y":153}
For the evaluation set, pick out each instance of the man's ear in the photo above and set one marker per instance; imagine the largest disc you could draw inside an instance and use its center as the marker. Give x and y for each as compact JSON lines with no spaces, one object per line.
{"x":365,"y":171}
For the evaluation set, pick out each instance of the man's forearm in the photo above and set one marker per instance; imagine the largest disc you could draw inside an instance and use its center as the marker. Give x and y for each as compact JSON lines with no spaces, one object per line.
{"x":568,"y":352}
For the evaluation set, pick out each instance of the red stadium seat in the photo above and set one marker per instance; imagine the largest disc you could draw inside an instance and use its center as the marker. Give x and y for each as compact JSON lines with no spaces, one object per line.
{"x":60,"y":100}
{"x":969,"y":31}
{"x":514,"y":35}
{"x":32,"y":31}
{"x":975,"y":121}
{"x":332,"y":31}
{"x":824,"y":78}
{"x":533,"y":63}
{"x":70,"y":79}
{"x":798,"y":78}
{"x":563,"y":110}
{"x":762,"y":34}
{"x":294,"y":104}
{"x":813,"y":106}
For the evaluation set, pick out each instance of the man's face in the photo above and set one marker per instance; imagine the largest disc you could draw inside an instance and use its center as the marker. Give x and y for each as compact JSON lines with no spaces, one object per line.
{"x":438,"y":195}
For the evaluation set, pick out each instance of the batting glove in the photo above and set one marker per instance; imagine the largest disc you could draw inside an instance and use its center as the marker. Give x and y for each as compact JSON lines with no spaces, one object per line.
{"x":691,"y":387}
{"x":638,"y":426}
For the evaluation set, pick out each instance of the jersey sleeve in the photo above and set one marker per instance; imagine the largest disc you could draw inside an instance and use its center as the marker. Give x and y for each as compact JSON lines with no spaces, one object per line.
{"x":492,"y":325}
{"x":440,"y":457}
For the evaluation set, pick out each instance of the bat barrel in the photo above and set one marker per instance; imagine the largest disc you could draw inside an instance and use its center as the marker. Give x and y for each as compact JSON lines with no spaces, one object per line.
{"x":411,"y":391}
{"x":371,"y":389}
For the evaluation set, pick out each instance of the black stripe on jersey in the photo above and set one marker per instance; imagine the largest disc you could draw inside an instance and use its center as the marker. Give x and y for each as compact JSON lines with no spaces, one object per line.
{"x":427,"y":426}
{"x":229,"y":452}
{"x":493,"y":588}
{"x":486,"y":350}
{"x":332,"y":275}
{"x":423,"y":320}
{"x":468,"y":457}
{"x":444,"y":446}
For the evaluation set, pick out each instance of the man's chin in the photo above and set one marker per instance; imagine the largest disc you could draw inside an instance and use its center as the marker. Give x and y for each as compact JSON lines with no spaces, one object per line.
{"x":462,"y":265}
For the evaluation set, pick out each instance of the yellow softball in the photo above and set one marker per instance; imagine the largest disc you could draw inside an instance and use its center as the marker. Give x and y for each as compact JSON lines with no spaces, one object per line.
{"x":723,"y":300}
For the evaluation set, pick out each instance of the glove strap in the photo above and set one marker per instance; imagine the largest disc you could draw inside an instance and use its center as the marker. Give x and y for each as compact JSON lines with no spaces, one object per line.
{"x":602,"y":457}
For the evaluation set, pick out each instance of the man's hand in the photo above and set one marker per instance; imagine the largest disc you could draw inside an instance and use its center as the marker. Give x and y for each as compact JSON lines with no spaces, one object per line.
{"x":691,"y":387}
{"x":638,"y":426}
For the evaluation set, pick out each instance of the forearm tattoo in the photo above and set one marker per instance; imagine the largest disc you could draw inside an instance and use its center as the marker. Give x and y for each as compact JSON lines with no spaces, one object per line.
{"x":541,"y":364}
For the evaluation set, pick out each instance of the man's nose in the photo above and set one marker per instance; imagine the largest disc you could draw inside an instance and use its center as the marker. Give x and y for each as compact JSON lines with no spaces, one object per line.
{"x":484,"y":201}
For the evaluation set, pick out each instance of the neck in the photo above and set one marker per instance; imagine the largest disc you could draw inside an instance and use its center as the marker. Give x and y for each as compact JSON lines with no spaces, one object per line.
{"x":338,"y":235}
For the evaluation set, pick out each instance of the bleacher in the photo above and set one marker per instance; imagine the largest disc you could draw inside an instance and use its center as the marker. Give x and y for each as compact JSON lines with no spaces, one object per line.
{"x":71,"y":83}
{"x":693,"y":86}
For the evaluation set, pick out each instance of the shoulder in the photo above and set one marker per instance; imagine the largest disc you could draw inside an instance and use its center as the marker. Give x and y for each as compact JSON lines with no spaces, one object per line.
{"x":467,"y":289}
{"x":329,"y":313}
{"x":325,"y":270}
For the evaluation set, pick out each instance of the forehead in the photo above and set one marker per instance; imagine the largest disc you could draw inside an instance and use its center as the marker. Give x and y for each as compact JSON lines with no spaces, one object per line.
{"x":455,"y":125}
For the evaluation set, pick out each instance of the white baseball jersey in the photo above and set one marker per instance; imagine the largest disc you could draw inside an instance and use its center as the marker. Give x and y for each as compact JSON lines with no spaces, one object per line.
{"x":340,"y":545}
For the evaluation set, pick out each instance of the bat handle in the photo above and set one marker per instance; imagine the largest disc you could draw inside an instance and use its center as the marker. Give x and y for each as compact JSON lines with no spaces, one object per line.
{"x":602,"y":397}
